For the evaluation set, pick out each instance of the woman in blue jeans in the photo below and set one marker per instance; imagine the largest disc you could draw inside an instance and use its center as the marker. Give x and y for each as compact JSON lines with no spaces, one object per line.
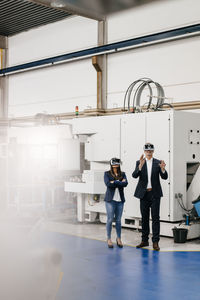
{"x":115,"y":180}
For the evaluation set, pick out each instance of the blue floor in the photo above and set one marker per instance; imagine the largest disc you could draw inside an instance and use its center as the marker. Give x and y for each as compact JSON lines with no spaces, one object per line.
{"x":94,"y":272}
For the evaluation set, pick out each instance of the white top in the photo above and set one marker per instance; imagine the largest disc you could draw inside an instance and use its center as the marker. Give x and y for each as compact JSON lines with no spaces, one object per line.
{"x":149,"y":168}
{"x":116,"y":196}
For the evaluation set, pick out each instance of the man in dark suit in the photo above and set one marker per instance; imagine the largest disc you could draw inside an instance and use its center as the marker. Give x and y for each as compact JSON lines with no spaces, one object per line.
{"x":149,"y":191}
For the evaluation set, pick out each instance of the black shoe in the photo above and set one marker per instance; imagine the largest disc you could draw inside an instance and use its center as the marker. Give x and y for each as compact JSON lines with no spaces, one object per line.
{"x":119,"y":245}
{"x":110,"y":245}
{"x":142,"y":244}
{"x":156,"y":246}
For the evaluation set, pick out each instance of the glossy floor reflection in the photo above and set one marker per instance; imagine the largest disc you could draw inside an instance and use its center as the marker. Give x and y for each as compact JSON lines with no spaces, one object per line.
{"x":129,"y":237}
{"x":92,"y":271}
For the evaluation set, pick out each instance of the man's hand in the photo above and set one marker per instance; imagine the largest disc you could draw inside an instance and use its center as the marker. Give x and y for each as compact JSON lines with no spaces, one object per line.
{"x":162,"y":165}
{"x":142,"y":161}
{"x":123,"y":180}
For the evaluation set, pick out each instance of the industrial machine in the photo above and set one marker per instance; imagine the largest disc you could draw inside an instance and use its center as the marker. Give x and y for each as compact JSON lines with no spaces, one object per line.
{"x":176,"y":137}
{"x":37,"y":164}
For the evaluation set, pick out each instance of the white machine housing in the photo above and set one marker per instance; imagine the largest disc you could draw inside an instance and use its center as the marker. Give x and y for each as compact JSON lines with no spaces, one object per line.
{"x":176,"y":137}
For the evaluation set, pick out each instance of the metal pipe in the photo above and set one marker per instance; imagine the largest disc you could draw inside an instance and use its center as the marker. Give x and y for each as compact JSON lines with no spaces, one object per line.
{"x":94,"y":112}
{"x":159,"y":37}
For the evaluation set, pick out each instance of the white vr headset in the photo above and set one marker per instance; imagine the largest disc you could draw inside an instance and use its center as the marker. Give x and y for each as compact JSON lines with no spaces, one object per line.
{"x":148,"y":147}
{"x":115,"y":161}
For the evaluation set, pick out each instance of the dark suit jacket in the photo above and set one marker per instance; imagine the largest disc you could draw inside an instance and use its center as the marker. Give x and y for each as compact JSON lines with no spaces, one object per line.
{"x":143,"y":179}
{"x":112,"y":186}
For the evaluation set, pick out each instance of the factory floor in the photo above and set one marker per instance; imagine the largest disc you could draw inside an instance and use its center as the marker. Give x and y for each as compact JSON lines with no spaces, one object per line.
{"x":129,"y":237}
{"x":92,"y":271}
{"x":57,"y":258}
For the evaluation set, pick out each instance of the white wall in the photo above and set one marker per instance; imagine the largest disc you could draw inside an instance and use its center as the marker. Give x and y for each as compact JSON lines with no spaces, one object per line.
{"x":153,"y":17}
{"x":68,"y":35}
{"x":55,"y":89}
{"x":175,"y":65}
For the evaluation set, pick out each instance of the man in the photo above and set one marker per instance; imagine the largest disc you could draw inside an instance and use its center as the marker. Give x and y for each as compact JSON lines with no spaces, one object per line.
{"x":149,"y":191}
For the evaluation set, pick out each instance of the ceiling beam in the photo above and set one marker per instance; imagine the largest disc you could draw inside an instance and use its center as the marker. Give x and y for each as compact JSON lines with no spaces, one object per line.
{"x":97,"y":10}
{"x":3,"y":42}
{"x":75,"y":9}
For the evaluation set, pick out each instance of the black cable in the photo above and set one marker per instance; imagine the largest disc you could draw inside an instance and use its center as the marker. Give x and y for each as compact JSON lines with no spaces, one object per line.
{"x":163,"y":105}
{"x":182,"y":205}
{"x":126,"y":95}
{"x":129,"y":91}
{"x":139,"y":91}
{"x":137,"y":95}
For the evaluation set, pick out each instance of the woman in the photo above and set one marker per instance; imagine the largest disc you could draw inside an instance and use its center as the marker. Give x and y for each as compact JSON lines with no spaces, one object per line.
{"x":115,"y":181}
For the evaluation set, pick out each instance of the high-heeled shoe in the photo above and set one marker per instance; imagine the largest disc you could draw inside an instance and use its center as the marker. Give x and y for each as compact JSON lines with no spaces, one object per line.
{"x":119,"y":244}
{"x":110,"y":245}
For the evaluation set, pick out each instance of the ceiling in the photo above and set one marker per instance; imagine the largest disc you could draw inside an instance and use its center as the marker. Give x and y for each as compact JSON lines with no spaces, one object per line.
{"x":21,"y":15}
{"x":94,"y":9}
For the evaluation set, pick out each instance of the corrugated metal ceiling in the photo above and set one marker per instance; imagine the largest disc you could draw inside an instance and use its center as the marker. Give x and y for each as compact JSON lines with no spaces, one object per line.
{"x":20,"y":15}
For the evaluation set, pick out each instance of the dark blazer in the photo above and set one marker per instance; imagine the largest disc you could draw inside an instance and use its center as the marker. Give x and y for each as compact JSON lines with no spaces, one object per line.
{"x":110,"y":191}
{"x":143,"y":179}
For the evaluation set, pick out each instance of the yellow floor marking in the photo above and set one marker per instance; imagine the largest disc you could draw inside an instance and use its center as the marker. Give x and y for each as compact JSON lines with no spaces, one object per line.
{"x":95,"y":239}
{"x":59,"y":281}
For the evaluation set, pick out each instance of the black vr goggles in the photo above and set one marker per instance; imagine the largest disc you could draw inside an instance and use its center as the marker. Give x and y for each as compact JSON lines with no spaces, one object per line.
{"x":115,"y":161}
{"x":148,"y":147}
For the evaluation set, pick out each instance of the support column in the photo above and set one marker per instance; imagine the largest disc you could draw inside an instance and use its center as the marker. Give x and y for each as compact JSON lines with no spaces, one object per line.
{"x":3,"y":129}
{"x":3,"y":79}
{"x":100,"y":64}
{"x":102,"y":61}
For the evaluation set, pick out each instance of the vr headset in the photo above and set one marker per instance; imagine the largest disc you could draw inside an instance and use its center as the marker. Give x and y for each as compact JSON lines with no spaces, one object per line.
{"x":148,"y":146}
{"x":115,"y":161}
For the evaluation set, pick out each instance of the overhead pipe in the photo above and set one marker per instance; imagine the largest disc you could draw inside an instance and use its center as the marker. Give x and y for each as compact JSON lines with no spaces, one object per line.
{"x":90,"y":112}
{"x":150,"y":39}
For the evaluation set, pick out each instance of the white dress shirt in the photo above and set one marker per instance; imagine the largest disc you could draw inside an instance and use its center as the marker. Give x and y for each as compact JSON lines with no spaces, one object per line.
{"x":116,"y":196}
{"x":149,"y":168}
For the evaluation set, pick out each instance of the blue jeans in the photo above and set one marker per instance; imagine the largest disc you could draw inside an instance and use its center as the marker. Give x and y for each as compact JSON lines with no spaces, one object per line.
{"x":114,"y":209}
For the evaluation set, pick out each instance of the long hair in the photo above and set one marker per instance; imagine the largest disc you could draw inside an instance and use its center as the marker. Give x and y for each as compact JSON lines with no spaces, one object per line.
{"x":119,"y":173}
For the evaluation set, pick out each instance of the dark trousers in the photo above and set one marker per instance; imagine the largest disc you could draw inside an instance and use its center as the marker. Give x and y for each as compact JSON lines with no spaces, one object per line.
{"x":147,"y":203}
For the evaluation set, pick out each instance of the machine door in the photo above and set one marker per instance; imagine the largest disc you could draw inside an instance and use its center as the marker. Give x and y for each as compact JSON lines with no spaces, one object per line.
{"x":132,"y":141}
{"x":158,"y":133}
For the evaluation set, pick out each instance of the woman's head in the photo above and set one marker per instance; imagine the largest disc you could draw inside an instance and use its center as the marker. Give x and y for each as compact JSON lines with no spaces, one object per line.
{"x":115,"y":169}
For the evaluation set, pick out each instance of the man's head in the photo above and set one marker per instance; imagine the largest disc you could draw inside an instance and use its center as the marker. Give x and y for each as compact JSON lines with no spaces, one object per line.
{"x":149,"y":150}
